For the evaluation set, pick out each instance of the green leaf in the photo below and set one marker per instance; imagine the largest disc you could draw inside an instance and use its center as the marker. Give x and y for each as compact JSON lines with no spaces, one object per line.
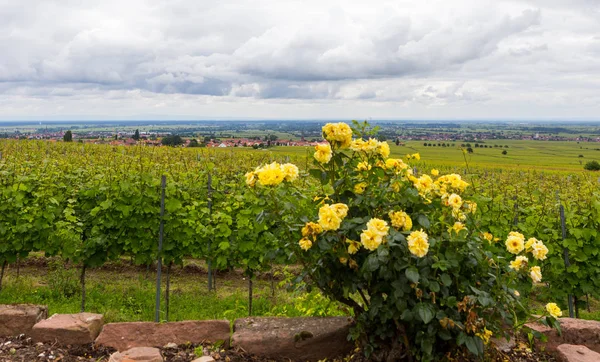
{"x":425,"y":312}
{"x":446,"y":280}
{"x":423,"y":221}
{"x":412,"y":274}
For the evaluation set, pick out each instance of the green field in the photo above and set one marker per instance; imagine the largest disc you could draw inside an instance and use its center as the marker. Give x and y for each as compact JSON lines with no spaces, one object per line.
{"x":526,"y":155}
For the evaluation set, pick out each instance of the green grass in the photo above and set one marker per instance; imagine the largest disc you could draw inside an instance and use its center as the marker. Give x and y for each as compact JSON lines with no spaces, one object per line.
{"x":541,"y":155}
{"x":126,"y":294}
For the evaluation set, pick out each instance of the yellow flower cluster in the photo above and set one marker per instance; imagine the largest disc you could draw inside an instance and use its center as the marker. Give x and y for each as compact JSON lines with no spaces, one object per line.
{"x":418,"y":243}
{"x":414,"y":156}
{"x":401,"y":220}
{"x":331,"y":216}
{"x":272,"y":174}
{"x":375,"y":233}
{"x":323,"y":152}
{"x":451,"y":183}
{"x":371,"y":145}
{"x":395,"y":164}
{"x":553,"y":310}
{"x":338,"y":134}
{"x":515,"y":244}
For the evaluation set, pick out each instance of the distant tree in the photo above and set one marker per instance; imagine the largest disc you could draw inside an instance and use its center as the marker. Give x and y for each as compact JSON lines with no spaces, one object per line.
{"x":172,"y":140}
{"x":116,"y":137}
{"x":136,"y":135}
{"x":580,"y":156}
{"x":468,"y":145}
{"x":504,"y":152}
{"x":207,"y":139}
{"x":469,"y":149}
{"x":592,"y":166}
{"x":273,"y":137}
{"x":194,"y":143}
{"x":424,"y":144}
{"x":68,"y":137}
{"x":397,"y":142}
{"x":506,"y":146}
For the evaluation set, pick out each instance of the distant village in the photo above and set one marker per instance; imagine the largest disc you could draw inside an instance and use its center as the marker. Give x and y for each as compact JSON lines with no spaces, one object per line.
{"x":122,"y":138}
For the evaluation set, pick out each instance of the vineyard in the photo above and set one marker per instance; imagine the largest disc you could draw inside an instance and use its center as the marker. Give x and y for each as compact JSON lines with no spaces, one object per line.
{"x":90,"y":204}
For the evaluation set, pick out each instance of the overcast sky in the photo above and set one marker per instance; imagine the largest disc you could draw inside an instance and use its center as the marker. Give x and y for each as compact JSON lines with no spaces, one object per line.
{"x":197,"y":59}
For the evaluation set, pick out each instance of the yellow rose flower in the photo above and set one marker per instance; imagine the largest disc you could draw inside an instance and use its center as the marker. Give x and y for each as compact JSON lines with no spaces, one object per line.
{"x":418,"y":243}
{"x":378,"y":226}
{"x":530,"y":243}
{"x":323,"y":153}
{"x":536,"y":274}
{"x":415,"y":156}
{"x":250,"y":179}
{"x":470,"y":206}
{"x":485,"y":336}
{"x":458,"y":215}
{"x":515,"y":243}
{"x":353,"y":247}
{"x":359,"y":188}
{"x":311,"y":229}
{"x":338,"y":133}
{"x":539,"y":250}
{"x":401,"y":220}
{"x":488,"y":236}
{"x":434,"y":172}
{"x":455,"y":201}
{"x":363,"y":166}
{"x":305,"y":244}
{"x":553,"y":310}
{"x":395,"y":164}
{"x":370,"y":239}
{"x":341,"y":210}
{"x":383,"y":149}
{"x":290,"y":171}
{"x":457,"y":227}
{"x":519,"y":263}
{"x":517,"y":294}
{"x":270,"y":175}
{"x":328,"y":218}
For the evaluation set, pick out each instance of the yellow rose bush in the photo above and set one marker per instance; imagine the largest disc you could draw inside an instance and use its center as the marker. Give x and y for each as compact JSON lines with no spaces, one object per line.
{"x":403,"y":249}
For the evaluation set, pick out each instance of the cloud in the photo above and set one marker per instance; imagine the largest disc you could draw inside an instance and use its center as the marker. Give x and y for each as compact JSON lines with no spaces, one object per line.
{"x":317,"y":57}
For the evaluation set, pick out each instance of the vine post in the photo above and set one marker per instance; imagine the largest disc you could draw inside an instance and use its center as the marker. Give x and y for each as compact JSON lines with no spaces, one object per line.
{"x":160,"y":242}
{"x":566,"y":255}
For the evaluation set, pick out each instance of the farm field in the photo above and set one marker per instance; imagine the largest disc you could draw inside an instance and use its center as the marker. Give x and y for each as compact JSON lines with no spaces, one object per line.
{"x":521,"y":155}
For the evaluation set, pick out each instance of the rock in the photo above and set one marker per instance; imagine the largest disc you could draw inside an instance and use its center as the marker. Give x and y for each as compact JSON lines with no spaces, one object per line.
{"x":122,"y":336}
{"x":503,"y":345}
{"x":170,"y":346}
{"x":80,"y":328}
{"x":204,"y":359}
{"x":574,"y":331}
{"x":140,"y":354}
{"x":20,"y":318}
{"x":308,"y":338}
{"x":573,"y":353}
